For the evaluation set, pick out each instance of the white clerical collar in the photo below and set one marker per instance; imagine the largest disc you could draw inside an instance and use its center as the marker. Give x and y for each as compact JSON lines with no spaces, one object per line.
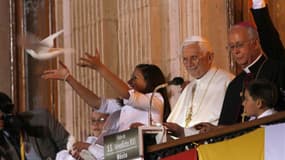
{"x":267,"y":113}
{"x":246,"y":69}
{"x":211,"y":71}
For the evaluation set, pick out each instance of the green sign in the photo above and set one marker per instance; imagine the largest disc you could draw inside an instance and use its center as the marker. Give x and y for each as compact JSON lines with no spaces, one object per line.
{"x":122,"y":145}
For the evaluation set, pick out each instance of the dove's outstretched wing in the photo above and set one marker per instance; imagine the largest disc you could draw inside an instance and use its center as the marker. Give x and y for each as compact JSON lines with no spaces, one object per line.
{"x":47,"y":55}
{"x":44,"y":50}
{"x":48,"y":41}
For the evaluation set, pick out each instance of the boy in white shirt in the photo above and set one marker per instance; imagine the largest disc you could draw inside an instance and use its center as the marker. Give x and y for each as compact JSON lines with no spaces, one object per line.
{"x":259,"y":98}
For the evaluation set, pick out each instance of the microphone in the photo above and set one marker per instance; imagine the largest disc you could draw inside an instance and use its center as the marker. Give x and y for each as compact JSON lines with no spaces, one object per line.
{"x":177,"y":81}
{"x":174,"y":81}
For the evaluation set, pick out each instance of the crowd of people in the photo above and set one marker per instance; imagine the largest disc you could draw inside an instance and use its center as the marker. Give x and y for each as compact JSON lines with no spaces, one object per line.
{"x":213,"y":99}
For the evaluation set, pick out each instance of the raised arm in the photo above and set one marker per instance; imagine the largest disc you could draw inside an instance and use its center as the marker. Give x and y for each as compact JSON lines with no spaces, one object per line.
{"x":94,"y":62}
{"x":63,"y":74}
{"x":269,"y":37}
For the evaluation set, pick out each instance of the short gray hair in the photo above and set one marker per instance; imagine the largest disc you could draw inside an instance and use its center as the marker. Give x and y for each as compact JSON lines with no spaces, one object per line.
{"x":251,"y":31}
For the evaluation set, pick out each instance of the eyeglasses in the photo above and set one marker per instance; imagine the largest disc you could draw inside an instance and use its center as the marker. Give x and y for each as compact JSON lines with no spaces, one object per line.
{"x":237,"y":45}
{"x":100,"y":120}
{"x":193,"y":59}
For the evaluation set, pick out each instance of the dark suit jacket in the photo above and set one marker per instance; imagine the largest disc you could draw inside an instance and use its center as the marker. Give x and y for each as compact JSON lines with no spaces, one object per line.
{"x":271,"y":68}
{"x":269,"y":37}
{"x":7,"y":149}
{"x":43,"y":132}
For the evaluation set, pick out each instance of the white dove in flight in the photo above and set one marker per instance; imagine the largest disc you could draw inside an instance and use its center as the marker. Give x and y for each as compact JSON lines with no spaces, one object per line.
{"x":43,"y":50}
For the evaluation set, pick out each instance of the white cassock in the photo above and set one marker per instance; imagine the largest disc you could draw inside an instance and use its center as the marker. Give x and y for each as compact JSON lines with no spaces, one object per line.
{"x":207,"y":99}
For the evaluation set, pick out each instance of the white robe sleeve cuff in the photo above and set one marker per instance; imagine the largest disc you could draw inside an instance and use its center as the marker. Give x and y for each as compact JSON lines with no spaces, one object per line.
{"x":257,"y":4}
{"x":190,"y":131}
{"x":64,"y":155}
{"x":71,"y":140}
{"x":97,"y":151}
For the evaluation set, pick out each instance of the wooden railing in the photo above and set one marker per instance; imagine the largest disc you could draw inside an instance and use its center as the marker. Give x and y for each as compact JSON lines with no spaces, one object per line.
{"x":219,"y":134}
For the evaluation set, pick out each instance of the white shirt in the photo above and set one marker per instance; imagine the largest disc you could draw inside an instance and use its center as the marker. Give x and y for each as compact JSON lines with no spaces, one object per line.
{"x":135,"y":109}
{"x":207,"y":101}
{"x":268,"y":112}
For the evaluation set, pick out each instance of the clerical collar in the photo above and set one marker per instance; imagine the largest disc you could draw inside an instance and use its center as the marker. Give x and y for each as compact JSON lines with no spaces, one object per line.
{"x":208,"y":73}
{"x":246,"y":69}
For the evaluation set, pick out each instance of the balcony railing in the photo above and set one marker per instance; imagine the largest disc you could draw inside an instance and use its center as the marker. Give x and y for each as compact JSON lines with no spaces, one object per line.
{"x":219,"y":134}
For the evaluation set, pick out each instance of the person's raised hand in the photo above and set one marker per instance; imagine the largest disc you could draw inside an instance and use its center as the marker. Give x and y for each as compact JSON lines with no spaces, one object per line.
{"x":90,"y":61}
{"x":61,"y":73}
{"x":257,"y":4}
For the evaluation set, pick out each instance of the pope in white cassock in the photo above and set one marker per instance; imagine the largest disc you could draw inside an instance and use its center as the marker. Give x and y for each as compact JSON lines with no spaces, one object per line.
{"x":202,"y":99}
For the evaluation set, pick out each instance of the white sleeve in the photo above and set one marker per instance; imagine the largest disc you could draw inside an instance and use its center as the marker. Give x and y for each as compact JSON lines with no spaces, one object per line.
{"x":97,"y":151}
{"x":84,"y":154}
{"x":91,"y":139}
{"x":109,"y":106}
{"x":190,"y":131}
{"x":142,"y":101}
{"x":64,"y":155}
{"x":257,"y":4}
{"x":71,"y":140}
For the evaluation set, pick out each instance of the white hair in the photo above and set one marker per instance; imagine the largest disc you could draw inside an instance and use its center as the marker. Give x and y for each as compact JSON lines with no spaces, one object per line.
{"x":251,"y":31}
{"x":202,"y":42}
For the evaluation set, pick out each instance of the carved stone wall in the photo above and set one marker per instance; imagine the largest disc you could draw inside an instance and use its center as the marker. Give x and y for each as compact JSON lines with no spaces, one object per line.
{"x":127,"y":33}
{"x":130,"y":32}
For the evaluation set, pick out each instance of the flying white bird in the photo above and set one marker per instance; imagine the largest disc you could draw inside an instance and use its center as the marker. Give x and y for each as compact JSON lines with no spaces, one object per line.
{"x":43,"y":49}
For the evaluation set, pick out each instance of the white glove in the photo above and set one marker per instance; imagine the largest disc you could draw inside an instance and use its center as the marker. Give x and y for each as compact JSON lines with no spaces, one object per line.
{"x":257,"y":4}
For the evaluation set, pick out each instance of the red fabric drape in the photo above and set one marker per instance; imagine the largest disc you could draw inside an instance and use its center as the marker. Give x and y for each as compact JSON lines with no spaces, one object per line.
{"x":187,"y":155}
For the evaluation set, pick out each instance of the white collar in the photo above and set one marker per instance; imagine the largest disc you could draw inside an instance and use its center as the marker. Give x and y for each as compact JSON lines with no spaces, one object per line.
{"x":268,"y":112}
{"x":208,"y":74}
{"x":246,"y":69}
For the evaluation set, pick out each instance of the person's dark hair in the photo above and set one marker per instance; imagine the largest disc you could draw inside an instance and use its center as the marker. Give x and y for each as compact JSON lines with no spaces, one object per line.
{"x":264,"y":90}
{"x":154,"y":77}
{"x":6,"y":105}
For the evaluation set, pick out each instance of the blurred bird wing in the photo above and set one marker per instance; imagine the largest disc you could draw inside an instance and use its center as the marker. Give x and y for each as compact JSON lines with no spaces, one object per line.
{"x":30,"y":41}
{"x":48,"y":41}
{"x":45,"y":55}
{"x":41,"y":49}
{"x":32,"y":53}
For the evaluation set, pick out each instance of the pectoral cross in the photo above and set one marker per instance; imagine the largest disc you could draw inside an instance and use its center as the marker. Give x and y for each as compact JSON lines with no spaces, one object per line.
{"x":188,"y":119}
{"x":190,"y":109}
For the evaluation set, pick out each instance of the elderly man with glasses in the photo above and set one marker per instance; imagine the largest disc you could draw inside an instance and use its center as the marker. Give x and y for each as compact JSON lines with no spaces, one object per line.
{"x":79,"y":149}
{"x":245,"y":46}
